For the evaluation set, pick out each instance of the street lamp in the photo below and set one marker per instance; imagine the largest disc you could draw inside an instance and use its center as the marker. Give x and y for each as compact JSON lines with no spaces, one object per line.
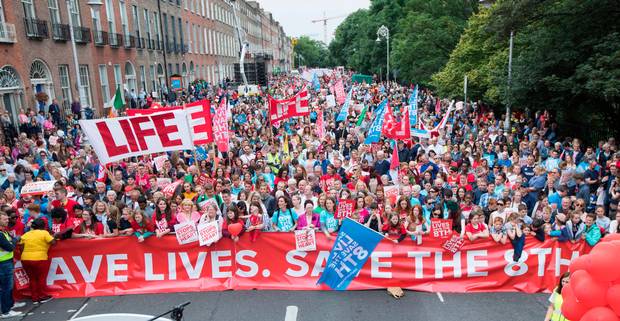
{"x":384,"y":32}
{"x":94,"y":5}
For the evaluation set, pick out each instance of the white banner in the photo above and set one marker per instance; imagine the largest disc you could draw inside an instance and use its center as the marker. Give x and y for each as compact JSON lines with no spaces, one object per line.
{"x":186,"y":232}
{"x":37,"y":188}
{"x":117,"y":138}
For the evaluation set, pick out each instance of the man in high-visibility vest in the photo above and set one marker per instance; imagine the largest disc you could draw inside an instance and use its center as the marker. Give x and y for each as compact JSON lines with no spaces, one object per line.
{"x":7,"y":245}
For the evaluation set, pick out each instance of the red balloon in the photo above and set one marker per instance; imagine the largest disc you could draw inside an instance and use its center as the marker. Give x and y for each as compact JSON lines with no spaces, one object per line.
{"x":578,"y":263}
{"x":603,"y":262}
{"x":587,"y":290}
{"x":571,"y":309}
{"x":613,"y":298}
{"x":235,"y":229}
{"x":600,"y":314}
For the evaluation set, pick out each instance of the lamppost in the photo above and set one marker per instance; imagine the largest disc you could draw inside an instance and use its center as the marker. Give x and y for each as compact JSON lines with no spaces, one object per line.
{"x":509,"y":91}
{"x":94,"y":5}
{"x":384,"y":32}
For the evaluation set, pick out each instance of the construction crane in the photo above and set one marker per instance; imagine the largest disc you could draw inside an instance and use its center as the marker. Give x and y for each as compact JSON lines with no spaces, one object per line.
{"x":324,"y":20}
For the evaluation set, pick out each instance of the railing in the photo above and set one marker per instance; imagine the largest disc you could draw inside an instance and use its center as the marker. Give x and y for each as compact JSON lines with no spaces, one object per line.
{"x":81,"y":34}
{"x":7,"y":32}
{"x":170,"y":47}
{"x":140,"y":44}
{"x":130,"y":41}
{"x":184,"y":49}
{"x":101,"y":38}
{"x":150,"y":44}
{"x":36,"y":29}
{"x":61,"y":32}
{"x":177,"y":48}
{"x":116,"y":40}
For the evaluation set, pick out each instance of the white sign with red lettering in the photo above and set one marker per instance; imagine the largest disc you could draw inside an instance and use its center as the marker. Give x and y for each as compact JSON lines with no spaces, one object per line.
{"x":117,"y":138}
{"x":305,"y":240}
{"x":208,"y":233}
{"x":37,"y":188}
{"x":186,"y":232}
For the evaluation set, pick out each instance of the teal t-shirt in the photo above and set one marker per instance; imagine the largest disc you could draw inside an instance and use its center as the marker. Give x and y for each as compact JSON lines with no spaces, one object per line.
{"x":327,"y":219}
{"x":284,"y":220}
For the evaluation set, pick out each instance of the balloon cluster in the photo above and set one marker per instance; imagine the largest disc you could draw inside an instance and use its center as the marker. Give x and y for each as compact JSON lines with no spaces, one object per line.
{"x":593,"y":293}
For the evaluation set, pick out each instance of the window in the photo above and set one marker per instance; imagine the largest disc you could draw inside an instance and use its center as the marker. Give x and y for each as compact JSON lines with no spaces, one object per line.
{"x":191,"y":5}
{"x":181,"y":31}
{"x":85,"y":97}
{"x":124,"y":23}
{"x":74,"y":8}
{"x":186,"y":1}
{"x":65,"y":85}
{"x":28,"y":9}
{"x":178,"y":69}
{"x":147,"y":25}
{"x":152,"y":74}
{"x":54,"y":14}
{"x":130,"y":77}
{"x":136,"y":21}
{"x":174,"y":31}
{"x":189,"y":33}
{"x":105,"y":86}
{"x":118,"y":77}
{"x":143,"y":79}
{"x":210,"y":42}
{"x":109,"y":9}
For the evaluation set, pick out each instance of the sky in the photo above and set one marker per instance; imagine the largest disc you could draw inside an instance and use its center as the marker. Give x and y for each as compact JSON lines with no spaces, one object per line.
{"x":296,"y":16}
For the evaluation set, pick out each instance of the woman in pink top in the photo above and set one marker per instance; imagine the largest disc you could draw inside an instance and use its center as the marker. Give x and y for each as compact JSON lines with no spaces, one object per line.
{"x":309,"y":219}
{"x":187,"y":212}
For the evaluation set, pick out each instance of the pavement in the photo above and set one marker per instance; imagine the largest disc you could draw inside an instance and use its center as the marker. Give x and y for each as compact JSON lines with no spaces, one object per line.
{"x":305,"y":306}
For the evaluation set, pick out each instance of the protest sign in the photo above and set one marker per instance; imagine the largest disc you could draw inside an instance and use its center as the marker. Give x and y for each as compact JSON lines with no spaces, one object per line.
{"x":305,"y":240}
{"x":171,"y":188}
{"x":441,"y":228}
{"x":345,"y":209}
{"x":186,"y":232}
{"x":208,"y":233}
{"x":287,"y":108}
{"x":391,"y":193}
{"x":352,"y":248}
{"x":159,"y":162}
{"x":453,"y":244}
{"x":37,"y":188}
{"x":114,"y":139}
{"x":331,"y":100}
{"x":162,"y":182}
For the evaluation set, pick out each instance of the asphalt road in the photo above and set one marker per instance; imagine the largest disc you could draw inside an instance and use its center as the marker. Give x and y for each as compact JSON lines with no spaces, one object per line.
{"x":309,"y":305}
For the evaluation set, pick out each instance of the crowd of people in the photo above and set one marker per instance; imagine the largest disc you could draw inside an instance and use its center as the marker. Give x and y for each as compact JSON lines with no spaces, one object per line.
{"x":491,"y":184}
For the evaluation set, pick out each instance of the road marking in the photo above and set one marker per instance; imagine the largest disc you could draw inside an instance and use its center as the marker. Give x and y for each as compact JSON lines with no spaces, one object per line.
{"x":291,"y":313}
{"x":440,"y":297}
{"x":79,"y":310}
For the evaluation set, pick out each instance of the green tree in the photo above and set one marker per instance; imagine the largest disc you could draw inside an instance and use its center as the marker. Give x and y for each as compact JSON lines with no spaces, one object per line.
{"x":427,"y":35}
{"x":311,"y":53}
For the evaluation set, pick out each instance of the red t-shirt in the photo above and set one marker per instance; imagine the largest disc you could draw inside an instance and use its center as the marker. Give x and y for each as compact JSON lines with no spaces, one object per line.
{"x":69,"y":223}
{"x":475,"y":230}
{"x":148,"y":227}
{"x":68,"y":206}
{"x":98,"y":230}
{"x":17,"y":229}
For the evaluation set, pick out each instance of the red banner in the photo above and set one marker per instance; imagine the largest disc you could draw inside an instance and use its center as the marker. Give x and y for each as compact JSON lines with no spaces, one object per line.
{"x":122,"y":266}
{"x":340,"y":94}
{"x":220,"y":127}
{"x":287,"y":108}
{"x":396,"y":130}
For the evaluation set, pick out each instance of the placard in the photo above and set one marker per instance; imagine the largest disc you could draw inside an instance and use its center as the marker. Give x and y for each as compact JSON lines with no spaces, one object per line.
{"x":331,"y":100}
{"x":441,"y":228}
{"x":208,"y":233}
{"x":186,"y":233}
{"x":37,"y":188}
{"x":161,"y":225}
{"x":453,"y":244}
{"x":305,"y":240}
{"x":344,"y":209}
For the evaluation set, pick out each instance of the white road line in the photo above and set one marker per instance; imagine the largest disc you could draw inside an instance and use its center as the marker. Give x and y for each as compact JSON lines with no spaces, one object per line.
{"x":79,"y":311}
{"x":440,"y":297}
{"x":291,"y":313}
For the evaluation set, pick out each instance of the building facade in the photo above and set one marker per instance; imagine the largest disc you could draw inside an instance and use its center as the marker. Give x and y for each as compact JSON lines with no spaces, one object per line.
{"x":135,"y":45}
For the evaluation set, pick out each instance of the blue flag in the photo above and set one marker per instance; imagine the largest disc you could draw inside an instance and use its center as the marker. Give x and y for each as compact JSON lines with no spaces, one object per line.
{"x":413,"y":107}
{"x":374,"y":132}
{"x":344,"y":111}
{"x":353,"y":246}
{"x":201,"y":153}
{"x":315,"y":82}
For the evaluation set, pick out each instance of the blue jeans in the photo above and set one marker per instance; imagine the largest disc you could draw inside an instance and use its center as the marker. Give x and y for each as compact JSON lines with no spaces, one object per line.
{"x":6,"y":285}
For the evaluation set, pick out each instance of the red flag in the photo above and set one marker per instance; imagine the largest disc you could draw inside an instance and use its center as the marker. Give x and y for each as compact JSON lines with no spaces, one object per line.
{"x":394,"y":162}
{"x":220,"y":127}
{"x":341,"y":96}
{"x":396,"y":130}
{"x":287,"y":108}
{"x":438,"y":107}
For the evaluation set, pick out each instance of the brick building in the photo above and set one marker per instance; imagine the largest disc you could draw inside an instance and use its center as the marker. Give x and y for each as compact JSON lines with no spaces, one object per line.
{"x":134,"y":44}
